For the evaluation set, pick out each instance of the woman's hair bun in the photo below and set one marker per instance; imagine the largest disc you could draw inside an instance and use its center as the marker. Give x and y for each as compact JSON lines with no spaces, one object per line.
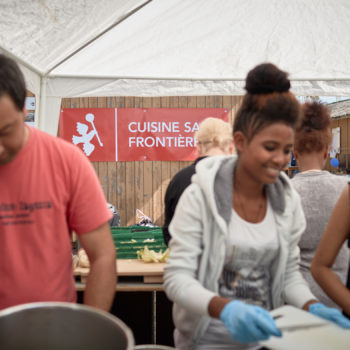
{"x":315,"y":117}
{"x":267,"y":78}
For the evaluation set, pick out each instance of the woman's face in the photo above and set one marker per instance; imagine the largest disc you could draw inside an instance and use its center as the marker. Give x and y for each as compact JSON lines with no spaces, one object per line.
{"x":267,"y":153}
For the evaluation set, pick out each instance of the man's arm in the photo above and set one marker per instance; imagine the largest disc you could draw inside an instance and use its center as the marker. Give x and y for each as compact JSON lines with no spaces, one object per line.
{"x":101,"y":283}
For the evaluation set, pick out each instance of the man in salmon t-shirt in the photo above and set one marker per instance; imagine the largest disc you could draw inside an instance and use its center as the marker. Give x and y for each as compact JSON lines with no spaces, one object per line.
{"x":47,"y":189}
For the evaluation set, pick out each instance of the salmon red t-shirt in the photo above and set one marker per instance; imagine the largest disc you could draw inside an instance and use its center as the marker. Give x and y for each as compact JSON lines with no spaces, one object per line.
{"x":49,"y":189}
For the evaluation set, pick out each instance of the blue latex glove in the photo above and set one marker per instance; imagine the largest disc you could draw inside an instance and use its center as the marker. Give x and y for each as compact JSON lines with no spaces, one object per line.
{"x":330,"y":314}
{"x":248,"y":323}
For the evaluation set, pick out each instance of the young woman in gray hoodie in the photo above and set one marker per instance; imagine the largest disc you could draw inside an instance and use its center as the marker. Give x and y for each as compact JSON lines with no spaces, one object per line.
{"x":234,"y":251}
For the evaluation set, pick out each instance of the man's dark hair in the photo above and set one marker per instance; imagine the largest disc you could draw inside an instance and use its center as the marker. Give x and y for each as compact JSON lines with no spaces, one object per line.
{"x":12,"y":81}
{"x":267,"y":101}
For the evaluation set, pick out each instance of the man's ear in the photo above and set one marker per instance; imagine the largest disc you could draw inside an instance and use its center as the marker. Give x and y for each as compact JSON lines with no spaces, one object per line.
{"x":239,"y":141}
{"x":24,"y":111}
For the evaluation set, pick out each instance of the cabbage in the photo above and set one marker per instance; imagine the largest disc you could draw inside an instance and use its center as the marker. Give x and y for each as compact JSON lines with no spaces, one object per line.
{"x":148,"y":255}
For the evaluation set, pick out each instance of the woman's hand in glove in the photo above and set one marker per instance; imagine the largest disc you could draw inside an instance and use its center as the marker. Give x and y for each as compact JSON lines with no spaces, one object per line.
{"x":248,"y":323}
{"x":330,"y":314}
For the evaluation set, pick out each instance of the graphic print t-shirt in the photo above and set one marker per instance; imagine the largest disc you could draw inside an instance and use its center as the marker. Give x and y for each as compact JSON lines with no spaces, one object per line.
{"x":49,"y":189}
{"x":250,"y":251}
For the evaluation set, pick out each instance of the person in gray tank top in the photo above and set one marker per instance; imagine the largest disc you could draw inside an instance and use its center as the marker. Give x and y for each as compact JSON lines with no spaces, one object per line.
{"x":319,"y":190}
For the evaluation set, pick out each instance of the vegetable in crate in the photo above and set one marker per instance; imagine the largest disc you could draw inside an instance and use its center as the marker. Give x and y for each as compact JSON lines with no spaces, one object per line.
{"x":75,"y":260}
{"x":83,"y":258}
{"x":148,"y":255}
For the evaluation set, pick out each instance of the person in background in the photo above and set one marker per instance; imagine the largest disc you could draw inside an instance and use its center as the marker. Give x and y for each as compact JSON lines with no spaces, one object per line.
{"x":319,"y":190}
{"x":115,"y":221}
{"x":48,"y":189}
{"x":234,"y":251}
{"x":214,"y":137}
{"x":331,"y":245}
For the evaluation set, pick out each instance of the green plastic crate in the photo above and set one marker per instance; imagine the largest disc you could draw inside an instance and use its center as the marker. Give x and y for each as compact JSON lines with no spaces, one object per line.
{"x":128,"y":240}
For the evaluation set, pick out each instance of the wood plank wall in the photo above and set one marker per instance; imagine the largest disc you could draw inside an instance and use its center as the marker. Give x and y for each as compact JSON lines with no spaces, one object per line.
{"x":344,"y":156}
{"x":142,"y":185}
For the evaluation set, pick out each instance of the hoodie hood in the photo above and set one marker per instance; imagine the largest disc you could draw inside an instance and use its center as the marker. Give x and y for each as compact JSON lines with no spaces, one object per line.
{"x":215,"y":174}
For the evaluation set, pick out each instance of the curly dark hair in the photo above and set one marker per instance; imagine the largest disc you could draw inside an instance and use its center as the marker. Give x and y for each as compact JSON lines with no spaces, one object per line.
{"x":267,"y":101}
{"x":313,"y":134}
{"x":12,"y":81}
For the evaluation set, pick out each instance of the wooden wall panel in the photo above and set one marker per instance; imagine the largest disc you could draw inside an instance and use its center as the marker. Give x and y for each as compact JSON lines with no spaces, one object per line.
{"x":121,"y":191}
{"x":112,"y":194}
{"x":344,"y":156}
{"x":176,"y":165}
{"x":130,"y":191}
{"x":343,"y":143}
{"x":142,"y":184}
{"x":123,"y":197}
{"x":138,"y":190}
{"x":148,"y":189}
{"x":347,"y":150}
{"x":157,"y":199}
{"x":165,"y":169}
{"x":147,"y":175}
{"x":66,"y":103}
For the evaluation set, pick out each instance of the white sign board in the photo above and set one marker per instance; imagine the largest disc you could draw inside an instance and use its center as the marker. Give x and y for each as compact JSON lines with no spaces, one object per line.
{"x":335,"y":145}
{"x":30,"y":103}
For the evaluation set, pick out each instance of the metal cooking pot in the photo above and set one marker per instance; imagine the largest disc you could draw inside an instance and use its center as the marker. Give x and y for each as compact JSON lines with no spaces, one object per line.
{"x":58,"y":326}
{"x":153,"y":347}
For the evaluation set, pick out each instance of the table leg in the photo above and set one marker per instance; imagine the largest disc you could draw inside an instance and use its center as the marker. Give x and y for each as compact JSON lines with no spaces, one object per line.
{"x":154,"y":317}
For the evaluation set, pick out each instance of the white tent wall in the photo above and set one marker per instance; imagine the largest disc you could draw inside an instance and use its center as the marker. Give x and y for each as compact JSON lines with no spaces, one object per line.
{"x":32,"y":76}
{"x":33,"y":80}
{"x":176,"y":47}
{"x":51,"y":108}
{"x":221,"y":40}
{"x":44,"y":33}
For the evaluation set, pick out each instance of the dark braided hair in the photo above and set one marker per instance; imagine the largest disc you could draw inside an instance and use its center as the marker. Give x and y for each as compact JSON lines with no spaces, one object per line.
{"x":267,"y":101}
{"x":313,"y":134}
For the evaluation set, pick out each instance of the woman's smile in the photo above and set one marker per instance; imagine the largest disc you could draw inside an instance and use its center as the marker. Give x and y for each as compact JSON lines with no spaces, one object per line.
{"x":264,"y":156}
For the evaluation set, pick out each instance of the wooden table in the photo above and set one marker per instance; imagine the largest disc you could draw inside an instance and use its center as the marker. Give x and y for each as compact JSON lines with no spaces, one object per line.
{"x":140,"y":274}
{"x":133,"y":276}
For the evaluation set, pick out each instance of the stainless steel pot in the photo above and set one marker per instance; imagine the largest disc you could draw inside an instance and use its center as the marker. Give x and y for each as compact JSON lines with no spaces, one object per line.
{"x":153,"y":347}
{"x":62,"y":326}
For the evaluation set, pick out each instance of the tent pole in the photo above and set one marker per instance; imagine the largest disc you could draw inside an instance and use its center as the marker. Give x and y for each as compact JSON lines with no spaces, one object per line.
{"x":42,"y":104}
{"x":234,"y":79}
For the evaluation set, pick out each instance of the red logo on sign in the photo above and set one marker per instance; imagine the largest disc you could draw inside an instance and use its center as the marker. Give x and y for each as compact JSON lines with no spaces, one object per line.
{"x":92,"y":130}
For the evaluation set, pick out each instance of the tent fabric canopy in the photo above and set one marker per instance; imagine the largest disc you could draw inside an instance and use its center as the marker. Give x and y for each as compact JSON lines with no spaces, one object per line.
{"x":173,"y":47}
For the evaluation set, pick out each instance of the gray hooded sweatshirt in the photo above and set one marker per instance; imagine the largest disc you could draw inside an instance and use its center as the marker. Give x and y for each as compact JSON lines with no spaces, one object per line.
{"x":197,"y":248}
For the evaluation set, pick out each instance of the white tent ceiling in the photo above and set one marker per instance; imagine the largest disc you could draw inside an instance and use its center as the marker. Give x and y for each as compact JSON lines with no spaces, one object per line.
{"x":174,"y":47}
